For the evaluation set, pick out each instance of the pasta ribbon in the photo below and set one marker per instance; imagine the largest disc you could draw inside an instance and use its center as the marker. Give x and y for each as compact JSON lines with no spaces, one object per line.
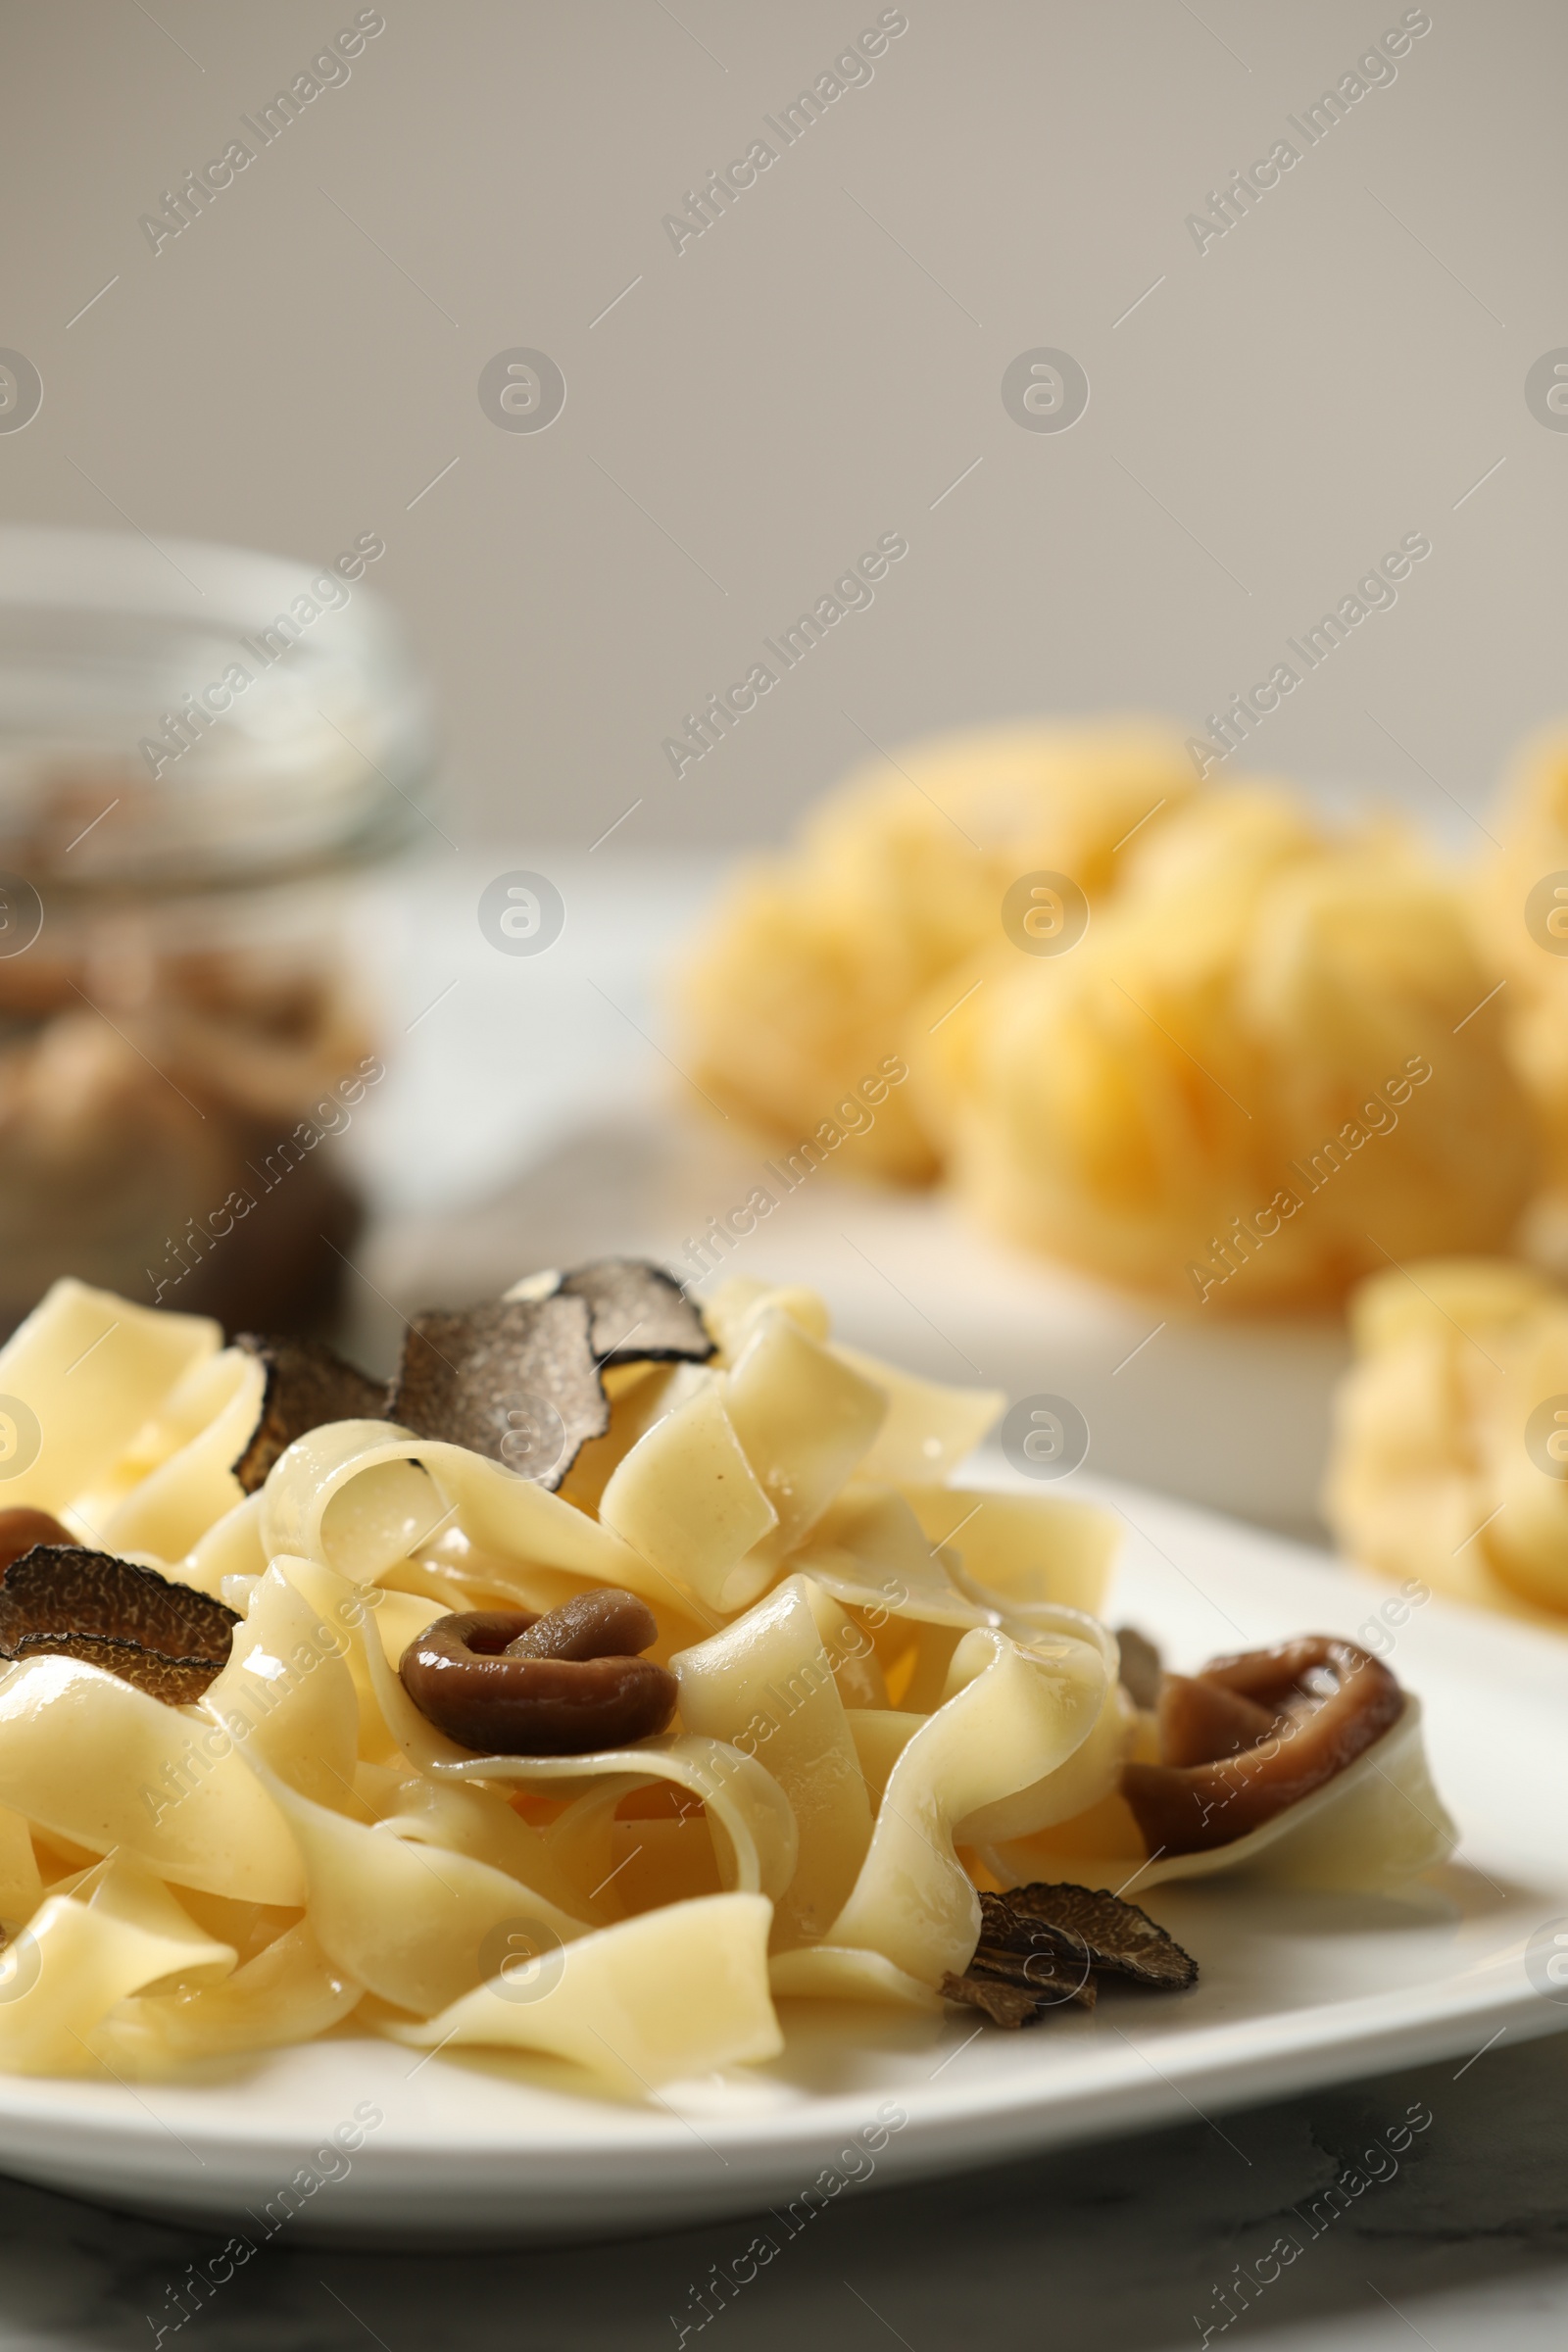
{"x":311,"y":1504}
{"x":408,"y":1920}
{"x":676,"y":1992}
{"x":88,"y":1758}
{"x":99,"y":1937}
{"x":177,"y":1502}
{"x":121,"y":1362}
{"x":766,"y":1678}
{"x":1010,"y":1719}
{"x":291,"y":1991}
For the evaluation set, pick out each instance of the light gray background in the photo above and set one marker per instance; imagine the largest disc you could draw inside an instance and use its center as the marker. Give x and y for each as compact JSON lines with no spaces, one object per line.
{"x":818,"y":368}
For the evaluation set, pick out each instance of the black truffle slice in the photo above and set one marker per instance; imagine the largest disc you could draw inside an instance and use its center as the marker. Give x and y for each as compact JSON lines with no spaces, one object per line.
{"x":306,"y":1385}
{"x":1119,"y":1938}
{"x":1042,"y":1948}
{"x":1002,"y":2003}
{"x":66,"y":1602}
{"x":1030,"y":1958}
{"x":640,"y":1314}
{"x":513,"y":1379}
{"x":177,"y":1682}
{"x":1045,"y":1977}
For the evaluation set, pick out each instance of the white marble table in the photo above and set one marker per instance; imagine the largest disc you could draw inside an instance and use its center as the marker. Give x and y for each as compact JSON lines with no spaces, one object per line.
{"x":1124,"y":2246}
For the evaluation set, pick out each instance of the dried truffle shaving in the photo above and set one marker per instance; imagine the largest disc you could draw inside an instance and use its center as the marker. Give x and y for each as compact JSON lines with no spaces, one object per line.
{"x":1000,"y":2002}
{"x":1045,"y":1947}
{"x":1048,"y":1975}
{"x":63,"y":1600}
{"x":1140,"y":1666}
{"x":177,"y":1682}
{"x":306,"y":1385}
{"x":480,"y":1376}
{"x":65,"y":1589}
{"x":640,"y":1314}
{"x":1119,"y":1938}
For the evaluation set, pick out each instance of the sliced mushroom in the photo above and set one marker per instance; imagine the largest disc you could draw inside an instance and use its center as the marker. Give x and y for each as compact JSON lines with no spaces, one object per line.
{"x":509,"y":1682}
{"x":1254,"y":1733}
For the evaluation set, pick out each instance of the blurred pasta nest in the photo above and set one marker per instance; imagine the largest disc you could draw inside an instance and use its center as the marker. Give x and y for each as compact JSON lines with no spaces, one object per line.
{"x":1525,"y":916}
{"x":1264,"y":1061}
{"x":1261,"y":1074}
{"x":826,"y":960}
{"x":1450,"y":1447}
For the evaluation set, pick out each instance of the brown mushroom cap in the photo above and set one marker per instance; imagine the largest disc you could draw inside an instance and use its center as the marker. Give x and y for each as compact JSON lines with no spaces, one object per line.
{"x":1253,"y":1733}
{"x":574,"y":1688}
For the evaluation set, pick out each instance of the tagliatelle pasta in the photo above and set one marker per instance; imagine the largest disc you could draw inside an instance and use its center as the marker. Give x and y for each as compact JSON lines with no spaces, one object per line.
{"x":875,"y":1673}
{"x":1264,"y":1070}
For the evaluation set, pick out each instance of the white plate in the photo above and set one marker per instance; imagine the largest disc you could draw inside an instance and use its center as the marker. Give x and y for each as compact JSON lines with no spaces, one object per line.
{"x":1295,"y":1989}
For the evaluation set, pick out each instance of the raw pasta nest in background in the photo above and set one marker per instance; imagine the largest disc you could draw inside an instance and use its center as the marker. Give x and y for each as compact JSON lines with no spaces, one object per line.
{"x":1525,"y":921}
{"x":824,"y":962}
{"x":1450,"y":1434}
{"x":878,"y":1671}
{"x":1260,"y":1070}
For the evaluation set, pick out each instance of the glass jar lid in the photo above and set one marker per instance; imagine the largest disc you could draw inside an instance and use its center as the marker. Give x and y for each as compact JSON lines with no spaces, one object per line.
{"x":183,"y":716}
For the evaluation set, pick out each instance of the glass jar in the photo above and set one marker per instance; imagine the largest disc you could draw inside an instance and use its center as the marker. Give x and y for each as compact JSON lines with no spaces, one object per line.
{"x":200,"y":750}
